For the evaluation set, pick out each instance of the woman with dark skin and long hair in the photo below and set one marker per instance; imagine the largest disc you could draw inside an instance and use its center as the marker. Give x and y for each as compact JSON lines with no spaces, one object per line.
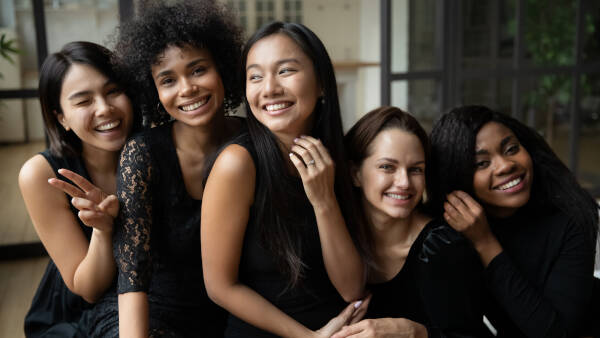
{"x":88,"y":117}
{"x":424,"y":276}
{"x":185,"y":59}
{"x":279,"y":256}
{"x":534,"y":227}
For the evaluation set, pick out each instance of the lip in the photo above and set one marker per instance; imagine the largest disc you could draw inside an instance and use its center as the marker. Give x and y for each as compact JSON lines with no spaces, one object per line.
{"x":517,"y":188}
{"x":397,"y":201}
{"x":205,"y":98}
{"x":279,"y":111}
{"x":103,"y":123}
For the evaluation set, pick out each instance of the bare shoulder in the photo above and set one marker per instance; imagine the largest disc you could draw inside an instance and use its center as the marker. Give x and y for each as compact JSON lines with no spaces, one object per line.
{"x":234,"y":160}
{"x":35,"y":171}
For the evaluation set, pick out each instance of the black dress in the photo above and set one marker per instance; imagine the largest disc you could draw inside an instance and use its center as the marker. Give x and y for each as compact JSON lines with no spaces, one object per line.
{"x":439,"y":286}
{"x":541,"y":284}
{"x":314,"y":301}
{"x":157,"y":242}
{"x":55,"y":311}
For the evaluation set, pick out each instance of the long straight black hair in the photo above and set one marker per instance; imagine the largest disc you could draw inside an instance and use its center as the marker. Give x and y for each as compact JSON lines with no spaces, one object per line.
{"x":273,"y":201}
{"x":453,"y":140}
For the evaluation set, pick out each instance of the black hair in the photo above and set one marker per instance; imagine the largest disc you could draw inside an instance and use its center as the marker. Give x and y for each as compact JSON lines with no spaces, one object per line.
{"x":200,"y":24}
{"x":55,"y":67}
{"x":358,"y":147}
{"x":453,"y":140}
{"x":272,"y":197}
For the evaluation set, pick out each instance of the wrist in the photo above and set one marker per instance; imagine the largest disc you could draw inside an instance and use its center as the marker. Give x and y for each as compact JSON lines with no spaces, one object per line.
{"x":105,"y":235}
{"x":487,"y":248}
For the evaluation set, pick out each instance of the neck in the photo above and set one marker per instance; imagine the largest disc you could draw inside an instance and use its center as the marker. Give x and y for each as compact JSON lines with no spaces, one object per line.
{"x":99,"y":161}
{"x":388,"y":231}
{"x":200,"y":140}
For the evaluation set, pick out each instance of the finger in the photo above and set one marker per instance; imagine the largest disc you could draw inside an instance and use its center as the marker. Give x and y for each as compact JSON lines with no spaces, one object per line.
{"x":110,"y":205}
{"x":323,"y":152}
{"x":81,"y":182}
{"x":67,"y":188}
{"x":459,"y":204}
{"x":299,"y":165}
{"x":361,"y":310}
{"x":468,"y":200}
{"x":305,"y":155}
{"x":350,"y":330}
{"x":83,"y":203}
{"x":310,"y":144}
{"x":90,"y":217}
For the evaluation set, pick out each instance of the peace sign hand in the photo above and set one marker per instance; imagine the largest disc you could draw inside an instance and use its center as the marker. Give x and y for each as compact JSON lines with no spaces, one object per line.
{"x":96,"y":208}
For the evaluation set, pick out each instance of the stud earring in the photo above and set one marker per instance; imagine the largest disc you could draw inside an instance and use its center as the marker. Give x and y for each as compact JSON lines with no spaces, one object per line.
{"x":323,"y":100}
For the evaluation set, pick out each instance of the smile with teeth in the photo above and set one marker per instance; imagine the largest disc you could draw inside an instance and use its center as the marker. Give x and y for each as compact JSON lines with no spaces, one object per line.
{"x":196,"y":105}
{"x":397,"y":196}
{"x":510,"y":184}
{"x":108,"y":125}
{"x":277,"y":106}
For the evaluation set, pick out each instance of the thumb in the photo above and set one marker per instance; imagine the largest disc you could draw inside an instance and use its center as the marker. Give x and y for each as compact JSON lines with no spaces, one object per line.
{"x":110,"y":205}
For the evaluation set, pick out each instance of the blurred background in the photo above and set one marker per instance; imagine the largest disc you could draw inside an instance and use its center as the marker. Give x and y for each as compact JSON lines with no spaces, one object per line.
{"x":538,"y":60}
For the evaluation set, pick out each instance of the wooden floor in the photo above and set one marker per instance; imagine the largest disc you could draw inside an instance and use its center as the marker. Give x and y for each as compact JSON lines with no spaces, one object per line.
{"x":15,"y":225}
{"x":18,"y":281}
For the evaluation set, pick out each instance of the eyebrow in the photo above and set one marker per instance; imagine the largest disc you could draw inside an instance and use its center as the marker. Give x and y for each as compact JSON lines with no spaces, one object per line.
{"x":280,"y":62}
{"x":189,"y":65}
{"x":86,"y":92}
{"x":502,"y":145}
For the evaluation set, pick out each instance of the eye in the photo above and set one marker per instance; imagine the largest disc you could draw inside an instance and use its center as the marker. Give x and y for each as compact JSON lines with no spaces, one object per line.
{"x":512,"y":149}
{"x":254,"y":77}
{"x":199,"y":71}
{"x":84,"y":102}
{"x":482,"y":164}
{"x":114,"y":91}
{"x":286,"y":70}
{"x":416,"y":170}
{"x":166,"y":81}
{"x":386,"y":167}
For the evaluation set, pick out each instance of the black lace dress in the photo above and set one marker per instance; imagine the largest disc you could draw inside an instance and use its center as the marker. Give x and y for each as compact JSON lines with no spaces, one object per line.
{"x":55,"y":311}
{"x":157,"y":243}
{"x":314,"y":301}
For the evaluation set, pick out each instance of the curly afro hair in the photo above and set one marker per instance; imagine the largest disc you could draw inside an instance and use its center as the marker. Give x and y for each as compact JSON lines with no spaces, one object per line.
{"x":201,"y":24}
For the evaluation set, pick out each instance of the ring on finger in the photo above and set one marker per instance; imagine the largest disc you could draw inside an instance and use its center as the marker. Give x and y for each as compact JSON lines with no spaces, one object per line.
{"x":311,"y":162}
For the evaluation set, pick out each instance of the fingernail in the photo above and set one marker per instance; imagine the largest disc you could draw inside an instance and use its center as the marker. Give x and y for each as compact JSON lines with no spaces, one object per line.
{"x":357,"y":304}
{"x":291,"y":154}
{"x":303,"y":136}
{"x":296,"y":139}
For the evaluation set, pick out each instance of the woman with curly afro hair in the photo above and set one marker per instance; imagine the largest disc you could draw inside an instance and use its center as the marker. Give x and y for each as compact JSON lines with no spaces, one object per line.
{"x":184,"y":61}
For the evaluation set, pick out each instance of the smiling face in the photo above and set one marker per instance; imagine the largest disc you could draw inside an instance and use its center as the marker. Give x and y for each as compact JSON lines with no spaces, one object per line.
{"x":281,"y":85}
{"x":392,"y":177}
{"x":189,"y":85}
{"x":95,"y":108}
{"x":503,"y":170}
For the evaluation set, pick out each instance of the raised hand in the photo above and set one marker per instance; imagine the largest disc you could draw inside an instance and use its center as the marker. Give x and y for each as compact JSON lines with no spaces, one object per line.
{"x":96,"y":208}
{"x":467,"y":216}
{"x":316,"y":168}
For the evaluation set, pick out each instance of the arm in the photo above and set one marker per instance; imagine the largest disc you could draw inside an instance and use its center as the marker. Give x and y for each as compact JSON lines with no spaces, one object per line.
{"x":557,"y":309}
{"x":342,"y":261}
{"x":223,"y":227}
{"x":87,"y":268}
{"x":132,"y":238}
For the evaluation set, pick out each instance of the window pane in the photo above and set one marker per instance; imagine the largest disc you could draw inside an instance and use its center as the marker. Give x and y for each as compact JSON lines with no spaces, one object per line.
{"x":547,"y":108}
{"x":494,"y":93}
{"x":418,"y":97}
{"x":549,"y":32}
{"x":591,"y":33}
{"x":15,"y":124}
{"x":488,"y":33}
{"x":17,"y":25}
{"x":589,"y":138}
{"x":414,"y":34}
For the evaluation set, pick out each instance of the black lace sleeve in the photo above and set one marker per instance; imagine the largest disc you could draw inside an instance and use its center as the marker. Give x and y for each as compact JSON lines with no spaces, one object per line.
{"x":132,"y":237}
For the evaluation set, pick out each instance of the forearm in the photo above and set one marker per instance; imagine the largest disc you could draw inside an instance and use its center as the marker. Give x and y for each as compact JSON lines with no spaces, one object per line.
{"x":133,"y":315}
{"x":97,"y":270}
{"x":251,"y":307}
{"x":342,"y":260}
{"x":487,"y":248}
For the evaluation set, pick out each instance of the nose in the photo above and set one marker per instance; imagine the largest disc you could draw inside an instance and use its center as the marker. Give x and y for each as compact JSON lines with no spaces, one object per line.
{"x":186,"y":88}
{"x":103,"y":107}
{"x":272,"y":86}
{"x":504,"y":165}
{"x":401,"y":179}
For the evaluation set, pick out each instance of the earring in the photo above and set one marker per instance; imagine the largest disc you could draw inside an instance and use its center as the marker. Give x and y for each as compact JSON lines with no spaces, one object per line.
{"x":158,"y":107}
{"x":322,"y":100}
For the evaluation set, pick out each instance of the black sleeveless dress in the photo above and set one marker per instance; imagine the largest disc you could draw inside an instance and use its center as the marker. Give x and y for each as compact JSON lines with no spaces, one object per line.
{"x":55,"y":311}
{"x":314,"y":301}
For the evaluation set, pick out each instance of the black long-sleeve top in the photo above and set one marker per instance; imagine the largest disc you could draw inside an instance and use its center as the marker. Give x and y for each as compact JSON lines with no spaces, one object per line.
{"x":541,"y":283}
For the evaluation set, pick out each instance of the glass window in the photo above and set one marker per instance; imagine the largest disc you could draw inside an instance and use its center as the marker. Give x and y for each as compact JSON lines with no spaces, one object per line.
{"x":589,"y":138}
{"x":418,"y":97}
{"x":494,"y":93}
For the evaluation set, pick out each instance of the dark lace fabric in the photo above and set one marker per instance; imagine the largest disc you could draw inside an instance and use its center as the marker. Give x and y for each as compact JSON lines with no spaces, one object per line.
{"x":314,"y":301}
{"x":55,"y":311}
{"x":439,"y":286}
{"x":157,"y":242}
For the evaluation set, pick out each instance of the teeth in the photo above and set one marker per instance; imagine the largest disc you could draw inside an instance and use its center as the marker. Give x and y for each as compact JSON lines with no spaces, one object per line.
{"x":398,"y":196}
{"x":510,"y":184}
{"x":277,"y":106}
{"x":108,"y":126}
{"x":194,"y":105}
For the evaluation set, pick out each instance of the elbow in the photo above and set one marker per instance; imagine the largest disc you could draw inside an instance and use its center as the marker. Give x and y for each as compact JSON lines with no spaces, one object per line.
{"x":352,"y":295}
{"x":214,"y":292}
